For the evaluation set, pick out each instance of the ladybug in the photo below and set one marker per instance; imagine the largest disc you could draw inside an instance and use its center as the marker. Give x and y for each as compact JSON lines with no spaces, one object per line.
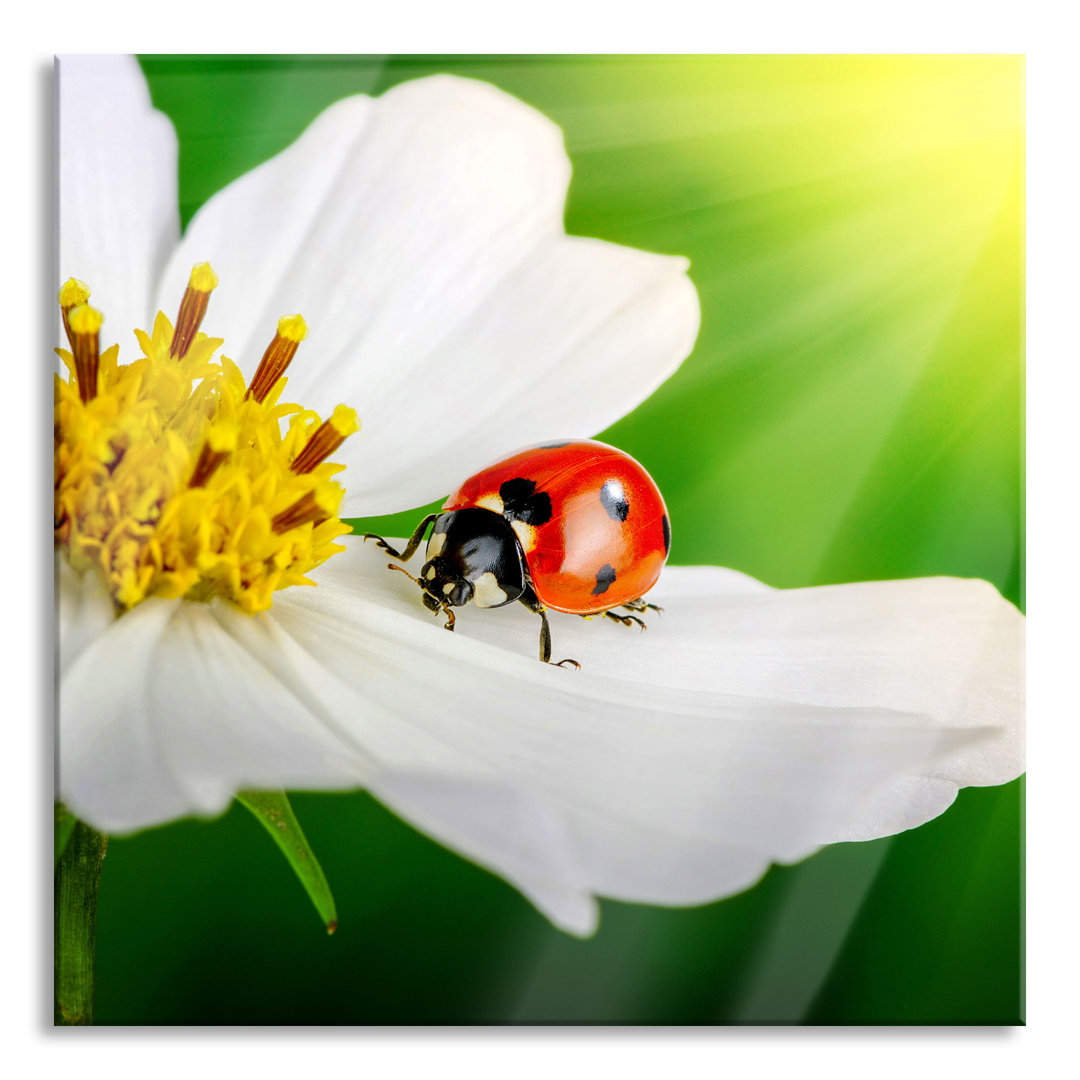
{"x":577,"y":526}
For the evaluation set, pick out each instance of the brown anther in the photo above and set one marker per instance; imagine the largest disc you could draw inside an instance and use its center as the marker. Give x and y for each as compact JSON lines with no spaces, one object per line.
{"x":328,"y":436}
{"x":220,"y":443}
{"x":84,"y":332}
{"x":206,"y":466}
{"x":279,"y":353}
{"x":305,"y":509}
{"x":193,"y":307}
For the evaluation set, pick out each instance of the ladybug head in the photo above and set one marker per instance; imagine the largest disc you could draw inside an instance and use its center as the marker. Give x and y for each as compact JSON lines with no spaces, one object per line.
{"x":444,"y":583}
{"x":473,"y":556}
{"x":440,"y":588}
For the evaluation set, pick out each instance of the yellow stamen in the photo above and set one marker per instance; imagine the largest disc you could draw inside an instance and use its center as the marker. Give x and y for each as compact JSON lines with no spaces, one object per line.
{"x":72,"y":293}
{"x":291,"y":330}
{"x":314,"y":506}
{"x":196,"y":299}
{"x":327,"y":438}
{"x":84,"y":331}
{"x":220,"y":443}
{"x":172,"y":480}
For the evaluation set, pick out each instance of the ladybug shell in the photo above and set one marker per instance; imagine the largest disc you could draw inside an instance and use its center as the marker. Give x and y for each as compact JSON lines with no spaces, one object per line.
{"x":590,"y":520}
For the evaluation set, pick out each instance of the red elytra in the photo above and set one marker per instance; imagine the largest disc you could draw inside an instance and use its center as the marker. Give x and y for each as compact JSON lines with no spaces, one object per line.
{"x":608,"y":534}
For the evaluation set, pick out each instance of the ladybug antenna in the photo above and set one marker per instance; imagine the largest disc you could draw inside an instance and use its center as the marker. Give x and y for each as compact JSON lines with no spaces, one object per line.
{"x":394,"y":566}
{"x":439,"y":603}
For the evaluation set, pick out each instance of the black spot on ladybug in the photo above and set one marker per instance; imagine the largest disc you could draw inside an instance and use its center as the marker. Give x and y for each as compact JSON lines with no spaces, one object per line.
{"x":614,"y":499}
{"x":522,"y":502}
{"x":605,"y":577}
{"x":552,"y":445}
{"x":667,"y":534}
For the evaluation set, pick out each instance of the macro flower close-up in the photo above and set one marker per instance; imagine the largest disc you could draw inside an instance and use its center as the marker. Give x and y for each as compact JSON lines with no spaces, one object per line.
{"x":351,"y":329}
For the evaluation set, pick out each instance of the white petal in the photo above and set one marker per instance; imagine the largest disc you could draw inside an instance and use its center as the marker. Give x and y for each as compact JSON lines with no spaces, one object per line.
{"x":167,"y":714}
{"x":570,"y":341}
{"x":610,"y":781}
{"x":420,"y":234}
{"x":577,"y":783}
{"x":947,"y":648}
{"x":119,"y":218}
{"x":111,"y":771}
{"x":84,"y":611}
{"x":505,"y":829}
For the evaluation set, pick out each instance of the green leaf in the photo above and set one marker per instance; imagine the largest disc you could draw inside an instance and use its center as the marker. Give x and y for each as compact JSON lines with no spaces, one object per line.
{"x":63,"y":827}
{"x":273,"y":810}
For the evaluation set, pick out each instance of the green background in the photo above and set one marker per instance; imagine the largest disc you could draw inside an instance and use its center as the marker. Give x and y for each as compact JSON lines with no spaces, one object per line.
{"x":852,"y":410}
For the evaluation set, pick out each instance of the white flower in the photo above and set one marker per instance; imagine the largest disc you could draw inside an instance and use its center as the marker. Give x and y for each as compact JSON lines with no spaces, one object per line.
{"x":421,"y":235}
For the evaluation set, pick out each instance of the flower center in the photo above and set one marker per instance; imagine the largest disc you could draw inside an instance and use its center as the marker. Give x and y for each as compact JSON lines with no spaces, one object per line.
{"x":174,"y":477}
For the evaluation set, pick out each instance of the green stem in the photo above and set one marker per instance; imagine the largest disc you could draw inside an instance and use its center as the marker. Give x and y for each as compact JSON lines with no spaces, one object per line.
{"x":75,"y":895}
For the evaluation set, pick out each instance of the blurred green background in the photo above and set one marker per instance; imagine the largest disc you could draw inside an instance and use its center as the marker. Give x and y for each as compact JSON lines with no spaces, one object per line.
{"x":852,"y":410}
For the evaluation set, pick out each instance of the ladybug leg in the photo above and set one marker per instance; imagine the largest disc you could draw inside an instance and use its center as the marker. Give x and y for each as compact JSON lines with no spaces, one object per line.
{"x":630,"y":620}
{"x":626,"y":620}
{"x":641,"y":605}
{"x":529,"y":599}
{"x":410,"y":548}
